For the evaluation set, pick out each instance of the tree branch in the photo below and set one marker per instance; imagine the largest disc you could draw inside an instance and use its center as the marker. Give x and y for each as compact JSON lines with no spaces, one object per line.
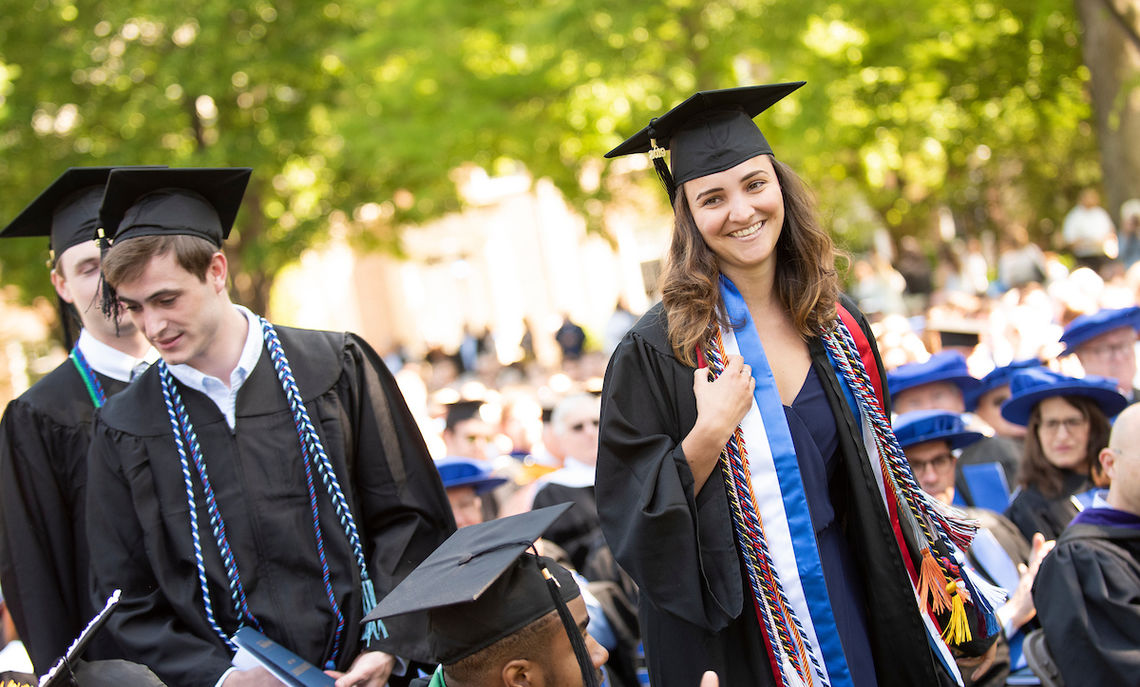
{"x":1129,"y":29}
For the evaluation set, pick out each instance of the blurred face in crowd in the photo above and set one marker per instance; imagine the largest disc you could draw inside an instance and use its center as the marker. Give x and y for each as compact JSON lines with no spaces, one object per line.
{"x":578,"y":430}
{"x":471,"y":438}
{"x":933,"y":466}
{"x":466,"y":505}
{"x":1112,"y":354}
{"x":932,"y":396}
{"x":1063,"y":433}
{"x":989,"y":410}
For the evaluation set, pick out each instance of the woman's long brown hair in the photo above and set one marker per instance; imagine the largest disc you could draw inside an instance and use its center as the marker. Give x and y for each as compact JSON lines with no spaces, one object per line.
{"x":807,"y":282}
{"x":1036,"y":470}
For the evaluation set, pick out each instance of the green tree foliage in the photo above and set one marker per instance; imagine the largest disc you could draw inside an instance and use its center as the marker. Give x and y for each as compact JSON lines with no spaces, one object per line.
{"x":367,"y":108}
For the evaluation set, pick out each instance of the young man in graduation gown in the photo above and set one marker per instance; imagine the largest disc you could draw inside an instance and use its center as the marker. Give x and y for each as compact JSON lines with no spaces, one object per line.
{"x":256,"y":475}
{"x":1086,"y":590}
{"x":45,"y":432}
{"x":496,"y":615}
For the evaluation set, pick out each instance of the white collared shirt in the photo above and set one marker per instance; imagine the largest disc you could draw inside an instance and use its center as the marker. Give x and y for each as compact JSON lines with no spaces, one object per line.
{"x":111,"y":362}
{"x":573,"y":473}
{"x":225,"y":396}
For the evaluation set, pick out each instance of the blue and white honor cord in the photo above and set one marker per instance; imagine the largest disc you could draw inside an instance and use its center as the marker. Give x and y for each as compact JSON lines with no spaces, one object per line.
{"x":313,"y":454}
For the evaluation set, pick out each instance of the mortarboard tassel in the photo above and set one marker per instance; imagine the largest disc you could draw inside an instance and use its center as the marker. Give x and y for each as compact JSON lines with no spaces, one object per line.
{"x":589,"y":677}
{"x":657,"y":154}
{"x":957,"y":627}
{"x":109,"y":302}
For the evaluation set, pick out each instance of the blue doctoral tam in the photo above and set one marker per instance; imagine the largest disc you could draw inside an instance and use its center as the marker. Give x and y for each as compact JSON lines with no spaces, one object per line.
{"x":1030,"y":387}
{"x":947,"y":366}
{"x":1086,"y":327}
{"x":921,"y":426}
{"x":998,"y":377}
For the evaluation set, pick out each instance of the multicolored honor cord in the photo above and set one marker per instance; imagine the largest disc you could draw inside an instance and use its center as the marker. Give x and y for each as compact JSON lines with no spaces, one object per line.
{"x":94,"y":388}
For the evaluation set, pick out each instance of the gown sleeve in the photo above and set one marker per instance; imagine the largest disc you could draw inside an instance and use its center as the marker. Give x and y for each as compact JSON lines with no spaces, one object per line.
{"x":36,"y":524}
{"x":677,"y":545}
{"x":148,"y":628}
{"x":402,"y":508}
{"x":1087,"y":594}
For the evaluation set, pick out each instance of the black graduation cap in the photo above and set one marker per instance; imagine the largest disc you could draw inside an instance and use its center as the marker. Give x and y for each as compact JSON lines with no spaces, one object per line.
{"x":461,"y":411}
{"x":710,"y":132}
{"x":481,"y":586}
{"x":200,"y":202}
{"x":67,"y":211}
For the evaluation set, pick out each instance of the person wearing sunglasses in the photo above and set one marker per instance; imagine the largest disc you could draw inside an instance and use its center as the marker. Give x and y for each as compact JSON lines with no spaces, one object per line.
{"x":575,"y":424}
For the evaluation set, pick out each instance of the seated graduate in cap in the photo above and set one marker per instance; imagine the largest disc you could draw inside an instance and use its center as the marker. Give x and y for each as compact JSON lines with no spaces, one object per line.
{"x":45,"y":432}
{"x":256,"y":475}
{"x":1067,"y":423}
{"x":738,"y":477}
{"x":940,"y":383}
{"x":1086,"y":591}
{"x":999,"y":553}
{"x":1105,"y":344}
{"x":496,"y":615}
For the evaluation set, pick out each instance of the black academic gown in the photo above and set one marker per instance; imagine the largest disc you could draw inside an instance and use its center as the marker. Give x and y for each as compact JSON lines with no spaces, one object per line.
{"x":1087,"y":594}
{"x":578,"y":530}
{"x":139,"y":520}
{"x":44,"y":565}
{"x":1033,"y":511}
{"x":696,"y":610}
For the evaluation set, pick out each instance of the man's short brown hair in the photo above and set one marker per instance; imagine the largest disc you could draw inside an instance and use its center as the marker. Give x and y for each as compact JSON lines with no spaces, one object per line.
{"x":127,"y":260}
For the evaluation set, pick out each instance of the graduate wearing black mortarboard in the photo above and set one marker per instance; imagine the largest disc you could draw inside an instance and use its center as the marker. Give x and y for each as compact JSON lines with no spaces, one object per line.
{"x":256,"y":475}
{"x":45,"y":432}
{"x":747,"y":498}
{"x":495,"y":614}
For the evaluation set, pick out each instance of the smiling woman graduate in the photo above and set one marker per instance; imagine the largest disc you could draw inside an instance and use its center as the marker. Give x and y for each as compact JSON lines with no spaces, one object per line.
{"x":748,"y":478}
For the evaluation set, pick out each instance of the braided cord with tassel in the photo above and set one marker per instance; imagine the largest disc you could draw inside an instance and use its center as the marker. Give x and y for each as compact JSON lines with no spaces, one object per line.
{"x":776,"y":613}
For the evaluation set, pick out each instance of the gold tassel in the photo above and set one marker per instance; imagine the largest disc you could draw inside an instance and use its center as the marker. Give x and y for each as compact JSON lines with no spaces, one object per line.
{"x":932,"y":582}
{"x":957,"y":628}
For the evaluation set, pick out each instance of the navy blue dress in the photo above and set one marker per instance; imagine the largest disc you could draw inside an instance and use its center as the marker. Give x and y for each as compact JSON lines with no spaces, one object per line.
{"x":814,"y":436}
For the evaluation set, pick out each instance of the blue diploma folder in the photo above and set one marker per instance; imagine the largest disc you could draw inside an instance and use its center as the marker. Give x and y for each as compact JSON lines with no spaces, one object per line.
{"x":287,"y":666}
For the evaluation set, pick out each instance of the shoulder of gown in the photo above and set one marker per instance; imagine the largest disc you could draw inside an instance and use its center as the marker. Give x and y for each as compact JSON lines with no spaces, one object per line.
{"x":1085,"y":593}
{"x":317,"y":359}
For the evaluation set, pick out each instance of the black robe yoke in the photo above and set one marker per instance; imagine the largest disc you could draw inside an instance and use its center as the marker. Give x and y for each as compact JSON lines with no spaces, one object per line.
{"x":44,"y":566}
{"x":697,"y":612}
{"x":139,"y":519}
{"x":1034,"y":512}
{"x":1087,"y":594}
